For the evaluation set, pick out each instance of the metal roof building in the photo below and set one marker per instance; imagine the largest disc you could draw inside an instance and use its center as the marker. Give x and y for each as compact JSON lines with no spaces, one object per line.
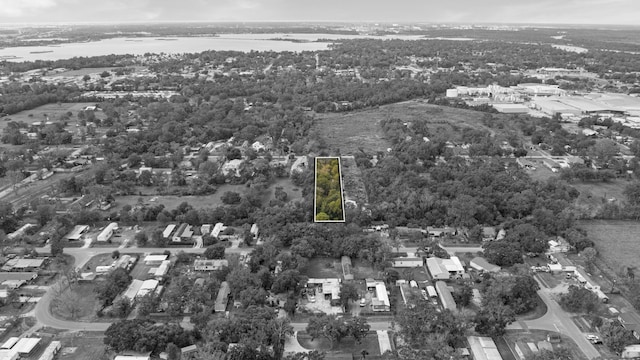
{"x":223,"y":297}
{"x":483,"y":348}
{"x":445,"y":296}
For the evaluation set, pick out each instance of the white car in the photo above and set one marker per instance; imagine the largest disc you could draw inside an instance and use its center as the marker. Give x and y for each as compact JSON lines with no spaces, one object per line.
{"x":594,"y":339}
{"x":363,"y":302}
{"x":312,"y":298}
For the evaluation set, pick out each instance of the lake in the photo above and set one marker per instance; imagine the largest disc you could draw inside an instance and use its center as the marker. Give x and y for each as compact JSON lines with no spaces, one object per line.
{"x":179,"y":45}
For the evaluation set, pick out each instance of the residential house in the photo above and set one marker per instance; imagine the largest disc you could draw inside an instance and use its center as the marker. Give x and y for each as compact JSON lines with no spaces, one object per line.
{"x":447,"y":300}
{"x":154,"y":260}
{"x":223,"y":297}
{"x":168,"y":231}
{"x":408,"y":262}
{"x":483,"y":348}
{"x":107,"y":232}
{"x":482,"y":265}
{"x":210,"y":265}
{"x":488,"y":233}
{"x":380,"y":300}
{"x":23,"y":265}
{"x":328,"y":287}
{"x":347,"y":268}
{"x":76,"y":233}
{"x":443,"y":269}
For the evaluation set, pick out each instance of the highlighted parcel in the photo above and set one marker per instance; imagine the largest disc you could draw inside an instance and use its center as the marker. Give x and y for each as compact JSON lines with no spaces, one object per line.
{"x":329,"y":198}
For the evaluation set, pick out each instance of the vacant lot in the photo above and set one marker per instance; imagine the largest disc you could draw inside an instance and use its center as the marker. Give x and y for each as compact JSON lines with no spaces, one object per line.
{"x":324,"y":268}
{"x":594,"y":195}
{"x":347,"y":345}
{"x":356,"y":130}
{"x":82,"y":346}
{"x":616,"y":241}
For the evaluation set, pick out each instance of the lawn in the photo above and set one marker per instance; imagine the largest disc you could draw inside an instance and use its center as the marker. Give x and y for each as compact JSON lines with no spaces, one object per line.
{"x":82,"y":346}
{"x":347,"y":345}
{"x":98,"y":260}
{"x":87,"y":308}
{"x":323,"y":268}
{"x":616,"y":241}
{"x":594,"y":195}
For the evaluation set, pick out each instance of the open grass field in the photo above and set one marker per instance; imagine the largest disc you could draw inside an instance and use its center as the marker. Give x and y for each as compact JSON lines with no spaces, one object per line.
{"x":594,"y":195}
{"x":82,"y":346}
{"x":361,"y":129}
{"x":617,"y":242}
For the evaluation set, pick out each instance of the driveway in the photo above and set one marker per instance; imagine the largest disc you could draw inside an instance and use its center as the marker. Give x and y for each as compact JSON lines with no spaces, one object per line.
{"x":557,"y":320}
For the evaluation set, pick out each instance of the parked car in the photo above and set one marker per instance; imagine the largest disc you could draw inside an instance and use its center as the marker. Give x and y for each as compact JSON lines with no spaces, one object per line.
{"x":312,"y":298}
{"x":424,"y":294}
{"x":594,"y":339}
{"x":363,"y":302}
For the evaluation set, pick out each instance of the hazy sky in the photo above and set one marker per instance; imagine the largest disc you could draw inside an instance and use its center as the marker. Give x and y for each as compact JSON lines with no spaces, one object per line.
{"x":465,"y":11}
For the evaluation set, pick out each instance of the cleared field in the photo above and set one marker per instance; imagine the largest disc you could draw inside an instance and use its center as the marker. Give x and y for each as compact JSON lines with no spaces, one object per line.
{"x":617,"y":241}
{"x":82,"y":346}
{"x":52,"y":111}
{"x":594,"y":195}
{"x":356,"y":130}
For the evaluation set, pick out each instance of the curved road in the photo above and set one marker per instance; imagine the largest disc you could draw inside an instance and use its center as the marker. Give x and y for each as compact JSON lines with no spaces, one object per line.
{"x":557,"y":320}
{"x":44,"y":317}
{"x":42,"y":310}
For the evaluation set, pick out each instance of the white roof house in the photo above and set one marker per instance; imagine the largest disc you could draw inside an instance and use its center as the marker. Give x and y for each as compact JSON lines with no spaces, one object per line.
{"x":408,"y":262}
{"x":380,"y":302}
{"x":107,"y":232}
{"x":51,"y":351}
{"x":76,"y":233}
{"x":442,"y":269}
{"x":210,"y":265}
{"x":483,"y":348}
{"x":155,"y":259}
{"x":447,"y":300}
{"x":217,"y":229}
{"x":10,"y":342}
{"x":168,"y":230}
{"x":26,"y":345}
{"x":481,"y":264}
{"x":148,"y":286}
{"x":232,"y":167}
{"x":162,"y":269}
{"x":133,"y":289}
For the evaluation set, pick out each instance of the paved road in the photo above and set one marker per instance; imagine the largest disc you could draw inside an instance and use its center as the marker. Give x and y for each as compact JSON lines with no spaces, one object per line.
{"x":557,"y":320}
{"x":450,"y":249}
{"x":375,"y":326}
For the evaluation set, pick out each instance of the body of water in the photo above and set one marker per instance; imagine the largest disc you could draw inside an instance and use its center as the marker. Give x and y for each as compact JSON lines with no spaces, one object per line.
{"x":179,"y":45}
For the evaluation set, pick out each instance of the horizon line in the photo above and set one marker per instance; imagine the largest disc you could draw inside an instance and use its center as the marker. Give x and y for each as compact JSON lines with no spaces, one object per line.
{"x":376,"y":22}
